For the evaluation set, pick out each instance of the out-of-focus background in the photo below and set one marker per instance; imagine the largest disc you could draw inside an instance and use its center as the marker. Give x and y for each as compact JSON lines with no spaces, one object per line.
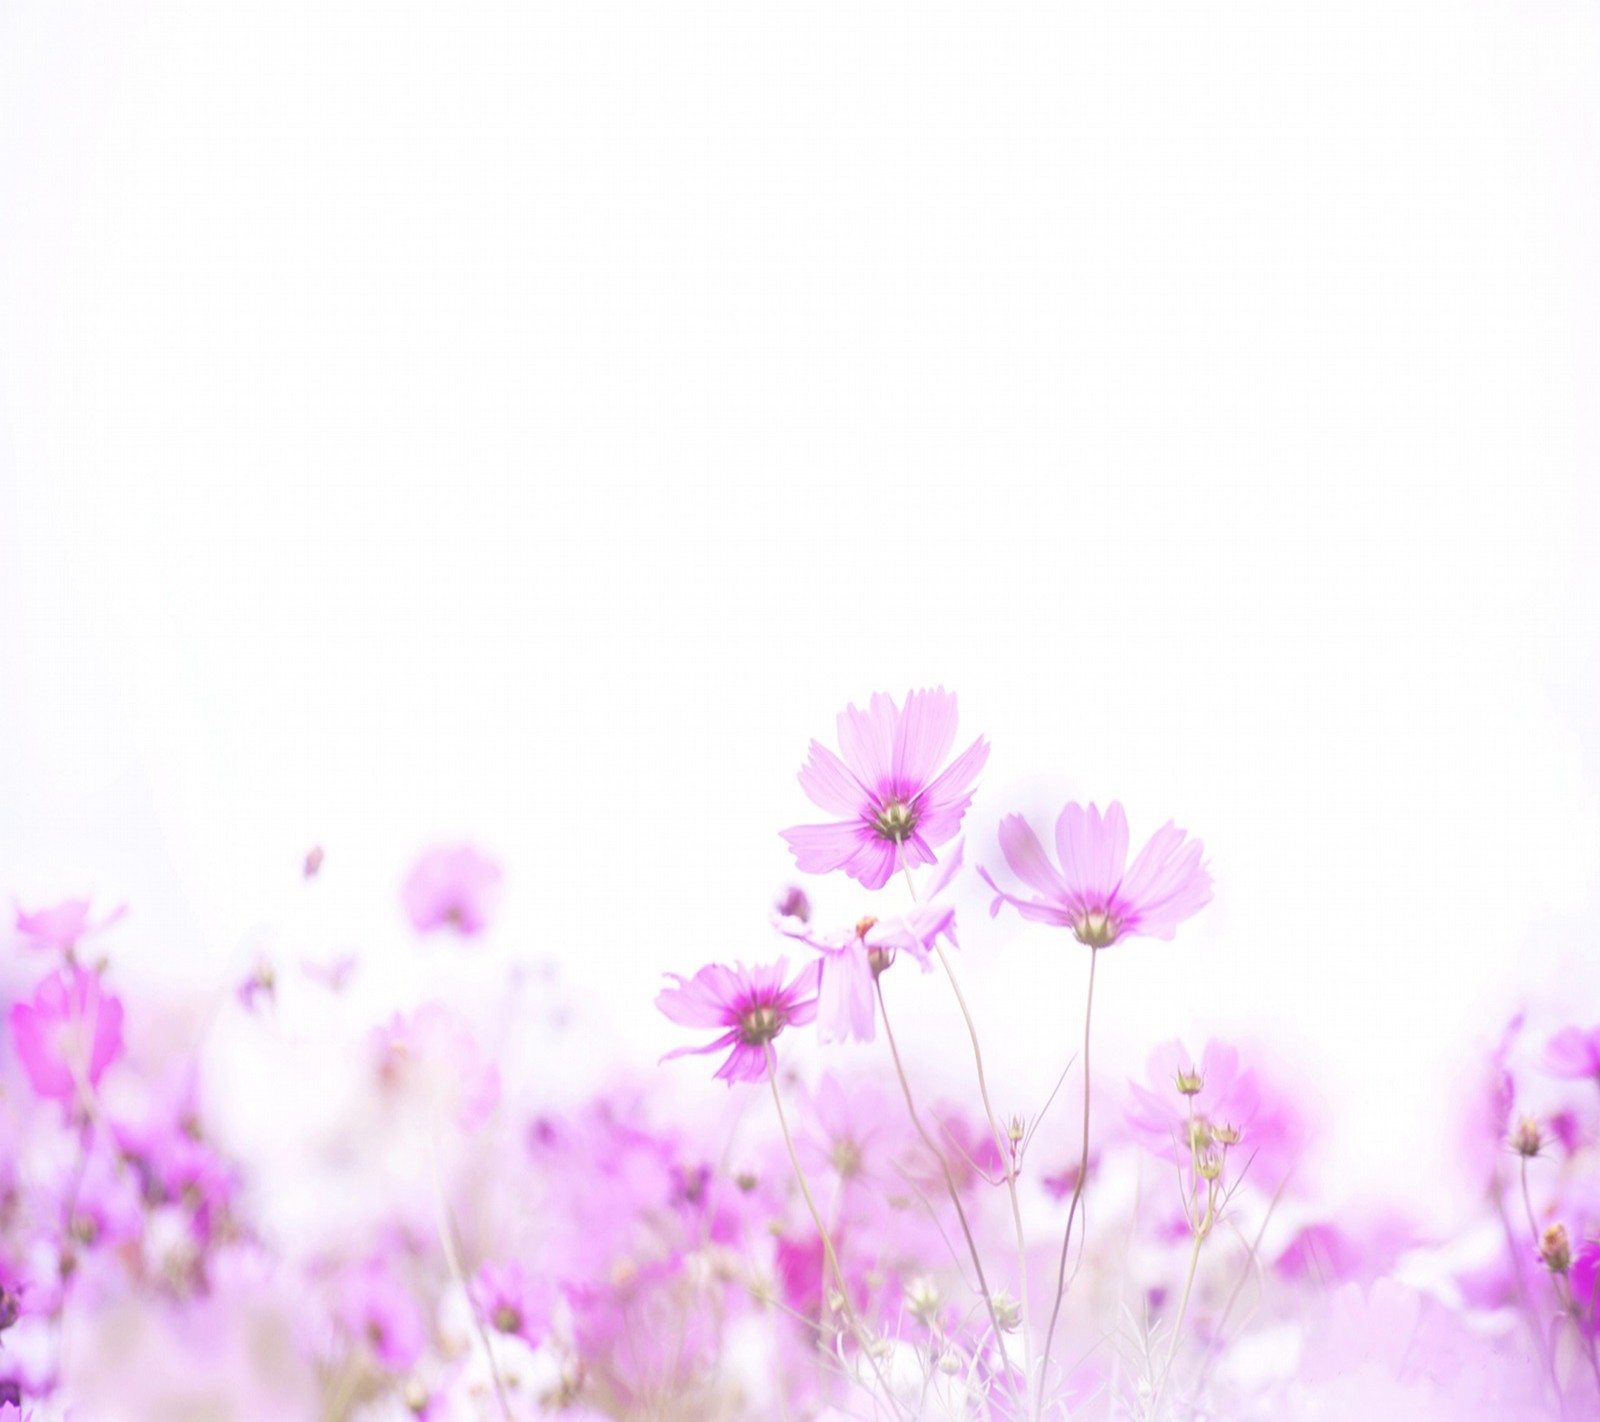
{"x":532,"y":423}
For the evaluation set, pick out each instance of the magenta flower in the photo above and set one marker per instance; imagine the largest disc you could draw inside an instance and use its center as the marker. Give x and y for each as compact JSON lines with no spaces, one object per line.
{"x":752,"y":1003}
{"x":1574,"y":1054}
{"x":1096,"y":893}
{"x":885,"y":788}
{"x":452,"y":886}
{"x":68,"y":1035}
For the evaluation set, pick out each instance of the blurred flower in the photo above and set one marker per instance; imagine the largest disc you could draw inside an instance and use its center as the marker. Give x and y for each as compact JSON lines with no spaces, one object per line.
{"x":1096,"y":893}
{"x":375,"y":1307}
{"x":1181,"y":1125}
{"x":68,"y":1035}
{"x":62,"y":925}
{"x":885,"y":788}
{"x":432,"y":1059}
{"x":1574,"y":1054}
{"x":754,"y":1005}
{"x":452,"y":886}
{"x":512,"y":1303}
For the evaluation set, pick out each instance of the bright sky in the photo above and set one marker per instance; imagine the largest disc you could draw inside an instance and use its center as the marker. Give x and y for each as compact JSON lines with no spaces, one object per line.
{"x":534,"y":423}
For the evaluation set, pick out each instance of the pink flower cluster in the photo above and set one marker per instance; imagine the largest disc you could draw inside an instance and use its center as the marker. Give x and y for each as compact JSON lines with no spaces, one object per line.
{"x":351,"y":1197}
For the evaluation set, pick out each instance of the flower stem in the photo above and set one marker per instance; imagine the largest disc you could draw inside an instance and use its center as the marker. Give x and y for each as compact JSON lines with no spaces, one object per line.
{"x":1006,"y":1159}
{"x":452,"y":1259}
{"x":1201,"y":1229}
{"x":1077,"y":1193}
{"x":950,"y":1185}
{"x":822,"y":1230}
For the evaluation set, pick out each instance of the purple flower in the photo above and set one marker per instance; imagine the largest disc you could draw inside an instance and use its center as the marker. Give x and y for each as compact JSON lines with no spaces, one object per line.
{"x":754,"y":1005}
{"x":1096,"y":892}
{"x":885,"y":788}
{"x":452,"y":886}
{"x":68,"y":1035}
{"x":1574,"y":1054}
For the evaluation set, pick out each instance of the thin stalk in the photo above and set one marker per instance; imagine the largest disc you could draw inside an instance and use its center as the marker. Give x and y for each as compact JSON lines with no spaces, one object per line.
{"x":1077,"y":1193}
{"x":822,"y":1231}
{"x":950,"y":1185}
{"x":1238,"y":1288}
{"x":1006,"y":1158}
{"x":452,"y":1260}
{"x":1201,"y":1230}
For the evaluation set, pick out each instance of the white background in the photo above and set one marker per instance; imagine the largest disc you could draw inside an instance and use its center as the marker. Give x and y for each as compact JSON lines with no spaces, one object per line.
{"x":533,"y":423}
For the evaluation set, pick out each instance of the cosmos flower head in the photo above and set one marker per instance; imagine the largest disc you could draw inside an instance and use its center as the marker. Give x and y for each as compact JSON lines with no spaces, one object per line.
{"x":68,"y":1034}
{"x":894,"y":803}
{"x":1096,"y":892}
{"x":753,"y":1004}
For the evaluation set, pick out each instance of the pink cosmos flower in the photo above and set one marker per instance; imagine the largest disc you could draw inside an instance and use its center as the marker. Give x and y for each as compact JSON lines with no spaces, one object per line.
{"x":68,"y":1035}
{"x":752,"y":1003}
{"x":432,"y":1060}
{"x":1096,"y":893}
{"x":62,"y":925}
{"x":885,"y":788}
{"x":452,"y":886}
{"x":1574,"y":1054}
{"x":375,"y":1307}
{"x":512,"y":1303}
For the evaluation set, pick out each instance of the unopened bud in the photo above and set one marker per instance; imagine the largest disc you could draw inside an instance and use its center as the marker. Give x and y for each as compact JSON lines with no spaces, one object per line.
{"x":1210,"y":1165}
{"x":1527,"y":1139}
{"x":922,"y":1299}
{"x":1229,"y":1135}
{"x":1007,"y":1311}
{"x":1190,"y":1083}
{"x":1555,"y":1250}
{"x":793,"y":903}
{"x":950,"y":1364}
{"x":1016,"y":1130}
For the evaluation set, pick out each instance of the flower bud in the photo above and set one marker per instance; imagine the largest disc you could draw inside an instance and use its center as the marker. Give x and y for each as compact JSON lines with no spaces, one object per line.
{"x":1228,"y":1135}
{"x":1190,"y":1083}
{"x":922,"y":1299}
{"x":1527,"y":1139}
{"x":1555,"y":1250}
{"x":1007,"y":1311}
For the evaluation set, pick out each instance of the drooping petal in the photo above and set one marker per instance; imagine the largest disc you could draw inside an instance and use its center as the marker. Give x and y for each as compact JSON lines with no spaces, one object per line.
{"x":845,"y":1003}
